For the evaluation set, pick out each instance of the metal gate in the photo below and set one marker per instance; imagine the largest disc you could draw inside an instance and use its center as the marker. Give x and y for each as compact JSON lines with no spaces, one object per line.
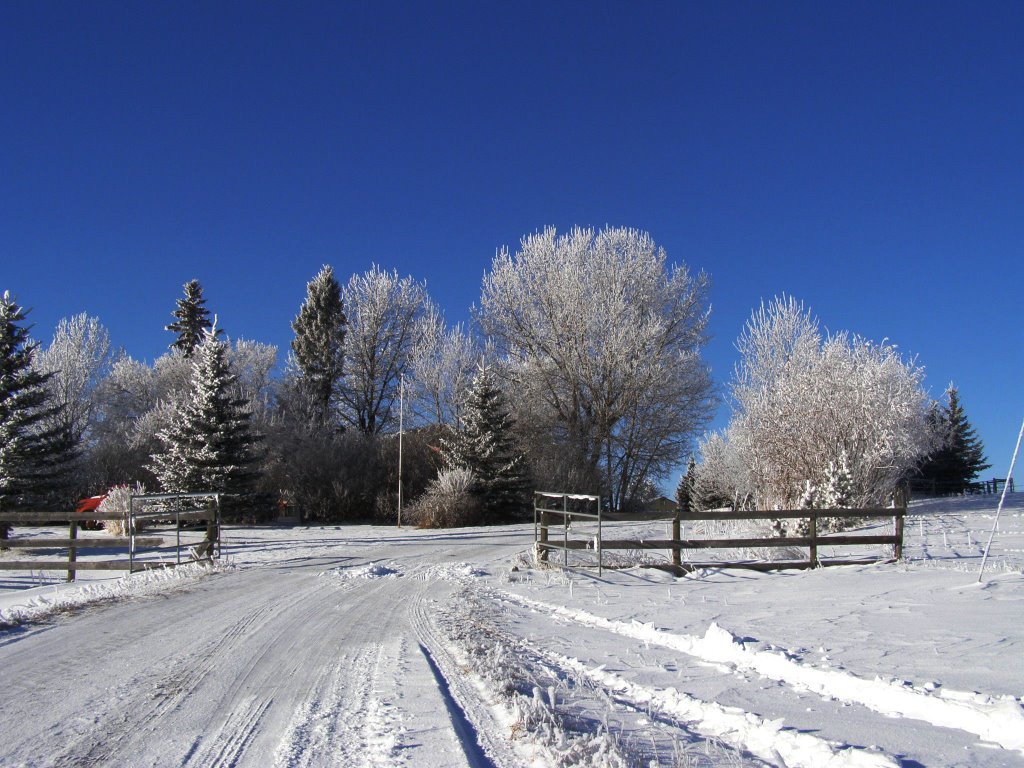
{"x":558,"y":510}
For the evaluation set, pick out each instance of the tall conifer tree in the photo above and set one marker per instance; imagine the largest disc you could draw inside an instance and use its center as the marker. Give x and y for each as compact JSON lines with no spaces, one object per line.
{"x":319,"y":341}
{"x":192,"y":319}
{"x":961,"y":456}
{"x":209,"y":446}
{"x":33,"y":456}
{"x":485,"y":446}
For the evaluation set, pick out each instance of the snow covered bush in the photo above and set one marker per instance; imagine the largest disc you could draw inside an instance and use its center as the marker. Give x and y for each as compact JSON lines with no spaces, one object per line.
{"x":804,"y":402}
{"x":119,"y":501}
{"x":448,"y":502}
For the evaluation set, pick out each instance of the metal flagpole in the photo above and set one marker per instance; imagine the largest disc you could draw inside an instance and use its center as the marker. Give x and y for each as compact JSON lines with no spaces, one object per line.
{"x":1006,"y":485}
{"x":401,"y":426}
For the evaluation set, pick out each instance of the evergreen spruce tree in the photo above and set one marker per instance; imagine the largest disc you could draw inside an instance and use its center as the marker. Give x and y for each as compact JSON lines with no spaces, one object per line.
{"x":685,"y":490}
{"x":484,"y":445}
{"x":319,"y":341}
{"x":961,"y":455}
{"x":837,"y":491}
{"x":192,"y":319}
{"x":209,"y":445}
{"x":33,"y":456}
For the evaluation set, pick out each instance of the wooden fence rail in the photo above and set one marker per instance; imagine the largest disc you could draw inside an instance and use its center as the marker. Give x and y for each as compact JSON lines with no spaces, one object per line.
{"x":131,"y":543}
{"x":813,"y":540}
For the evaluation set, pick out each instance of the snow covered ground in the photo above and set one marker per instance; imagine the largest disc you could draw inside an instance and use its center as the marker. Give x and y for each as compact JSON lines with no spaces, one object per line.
{"x":372,"y":646}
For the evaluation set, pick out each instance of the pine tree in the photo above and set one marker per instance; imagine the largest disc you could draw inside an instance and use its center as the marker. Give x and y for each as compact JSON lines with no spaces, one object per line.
{"x":685,"y":489}
{"x":209,"y":446}
{"x":485,"y":446}
{"x":33,"y":456}
{"x":961,"y":455}
{"x":837,"y":492}
{"x":193,"y":319}
{"x":319,"y":341}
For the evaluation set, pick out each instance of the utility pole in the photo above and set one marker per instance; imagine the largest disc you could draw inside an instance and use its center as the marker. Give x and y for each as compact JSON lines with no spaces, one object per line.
{"x":401,"y":427}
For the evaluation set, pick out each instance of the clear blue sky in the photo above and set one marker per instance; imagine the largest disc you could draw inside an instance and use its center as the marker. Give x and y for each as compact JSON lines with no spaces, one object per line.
{"x":867,"y":158}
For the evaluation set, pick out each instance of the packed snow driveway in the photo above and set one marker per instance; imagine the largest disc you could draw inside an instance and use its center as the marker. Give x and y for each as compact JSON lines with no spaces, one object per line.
{"x":367,"y":646}
{"x":303,"y":661}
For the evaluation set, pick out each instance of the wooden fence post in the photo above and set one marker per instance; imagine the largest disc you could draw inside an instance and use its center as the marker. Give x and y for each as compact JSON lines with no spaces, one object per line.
{"x":543,"y":539}
{"x":72,"y":551}
{"x":812,"y":526}
{"x":677,"y":559}
{"x":900,"y":515}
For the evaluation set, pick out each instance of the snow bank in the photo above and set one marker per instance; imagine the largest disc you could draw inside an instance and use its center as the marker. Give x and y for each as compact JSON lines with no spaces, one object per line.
{"x":996,"y":719}
{"x":371,"y":571}
{"x":43,"y":602}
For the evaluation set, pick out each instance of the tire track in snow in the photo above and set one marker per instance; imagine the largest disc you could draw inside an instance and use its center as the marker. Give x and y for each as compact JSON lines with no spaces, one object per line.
{"x":347,"y":719}
{"x":484,"y":733}
{"x":998,"y":720}
{"x":140,"y":704}
{"x":233,"y":737}
{"x":767,"y":739}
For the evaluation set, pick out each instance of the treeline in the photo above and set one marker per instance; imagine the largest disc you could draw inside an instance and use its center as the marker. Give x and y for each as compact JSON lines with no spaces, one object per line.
{"x":582,"y":373}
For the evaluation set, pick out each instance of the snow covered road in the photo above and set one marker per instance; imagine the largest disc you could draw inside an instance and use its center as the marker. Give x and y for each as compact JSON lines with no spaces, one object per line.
{"x":368,"y":646}
{"x":276,"y":664}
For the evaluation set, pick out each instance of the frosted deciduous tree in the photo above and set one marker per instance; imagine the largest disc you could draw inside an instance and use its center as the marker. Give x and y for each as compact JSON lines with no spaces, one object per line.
{"x":192,"y":319}
{"x":386,"y":320}
{"x":318,"y":346}
{"x":485,"y":445}
{"x":34,"y":447}
{"x":134,"y":403}
{"x":441,"y":367}
{"x":604,"y":339}
{"x":252,"y":363}
{"x":77,"y":361}
{"x":208,"y":446}
{"x":803,"y":401}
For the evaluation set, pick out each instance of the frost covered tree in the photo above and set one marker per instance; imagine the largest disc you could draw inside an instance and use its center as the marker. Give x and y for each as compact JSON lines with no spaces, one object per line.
{"x":441,"y":366}
{"x":685,"y":489}
{"x":252,"y":363}
{"x":802,"y":401}
{"x":319,"y":343}
{"x":603,"y":340}
{"x":134,"y":403}
{"x":960,"y":455}
{"x":386,"y":320}
{"x":77,"y":361}
{"x":208,"y":446}
{"x":192,"y":319}
{"x":485,"y":445}
{"x":837,"y":491}
{"x":34,"y":446}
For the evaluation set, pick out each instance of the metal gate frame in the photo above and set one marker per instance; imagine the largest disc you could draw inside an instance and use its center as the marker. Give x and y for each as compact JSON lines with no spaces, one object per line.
{"x":179,"y":515}
{"x":541,"y":543}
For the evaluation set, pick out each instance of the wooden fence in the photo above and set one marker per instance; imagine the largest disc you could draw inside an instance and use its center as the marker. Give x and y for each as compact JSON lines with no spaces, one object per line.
{"x":548,"y":517}
{"x":132,"y":544}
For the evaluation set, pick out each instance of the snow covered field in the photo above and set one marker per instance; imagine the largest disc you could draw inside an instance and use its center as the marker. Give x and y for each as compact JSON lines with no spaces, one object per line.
{"x":371,"y":646}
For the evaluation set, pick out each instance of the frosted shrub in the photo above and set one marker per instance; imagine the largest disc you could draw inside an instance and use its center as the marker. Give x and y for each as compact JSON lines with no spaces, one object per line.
{"x":804,"y":401}
{"x":119,"y":501}
{"x":449,"y":501}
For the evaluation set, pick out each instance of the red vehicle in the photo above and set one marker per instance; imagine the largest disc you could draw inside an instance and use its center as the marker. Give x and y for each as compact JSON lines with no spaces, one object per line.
{"x":90,"y":504}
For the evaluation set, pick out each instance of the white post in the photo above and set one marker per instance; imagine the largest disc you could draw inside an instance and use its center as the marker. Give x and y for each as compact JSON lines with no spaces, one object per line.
{"x":1006,"y":485}
{"x":401,"y":427}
